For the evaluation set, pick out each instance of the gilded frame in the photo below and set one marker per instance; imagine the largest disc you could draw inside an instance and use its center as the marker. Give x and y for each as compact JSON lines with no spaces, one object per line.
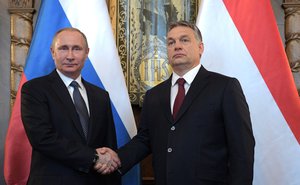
{"x":140,"y":29}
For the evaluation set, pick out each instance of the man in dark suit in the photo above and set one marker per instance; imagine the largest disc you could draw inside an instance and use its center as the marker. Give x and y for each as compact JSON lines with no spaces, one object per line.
{"x":208,"y":140}
{"x":66,"y":140}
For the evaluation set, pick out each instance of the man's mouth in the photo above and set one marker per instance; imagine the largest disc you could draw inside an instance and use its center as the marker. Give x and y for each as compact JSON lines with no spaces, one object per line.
{"x":69,"y":65}
{"x":178,"y":55}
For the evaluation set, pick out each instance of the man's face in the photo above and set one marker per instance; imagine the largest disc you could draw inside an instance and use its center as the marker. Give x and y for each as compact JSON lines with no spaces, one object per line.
{"x":69,"y":52}
{"x":184,"y":50}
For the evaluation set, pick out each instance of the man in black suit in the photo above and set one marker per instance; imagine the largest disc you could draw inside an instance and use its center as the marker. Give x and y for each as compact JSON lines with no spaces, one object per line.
{"x":65,"y":144}
{"x":209,"y":139}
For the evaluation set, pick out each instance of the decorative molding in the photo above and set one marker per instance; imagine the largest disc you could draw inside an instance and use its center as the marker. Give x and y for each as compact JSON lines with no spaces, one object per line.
{"x":20,"y":3}
{"x":21,"y":42}
{"x":21,"y":19}
{"x":291,"y":1}
{"x":292,"y":37}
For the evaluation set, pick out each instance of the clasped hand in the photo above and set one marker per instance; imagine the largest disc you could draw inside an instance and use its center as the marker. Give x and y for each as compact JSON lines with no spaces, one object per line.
{"x":108,"y":161}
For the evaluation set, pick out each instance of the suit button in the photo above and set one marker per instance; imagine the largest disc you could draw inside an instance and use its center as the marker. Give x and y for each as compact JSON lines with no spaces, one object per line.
{"x":169,"y":150}
{"x":173,"y":128}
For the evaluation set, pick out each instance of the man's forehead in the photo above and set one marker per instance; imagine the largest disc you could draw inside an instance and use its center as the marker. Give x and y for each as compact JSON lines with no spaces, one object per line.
{"x":64,"y":42}
{"x":68,"y":35}
{"x":68,"y":45}
{"x":179,"y":35}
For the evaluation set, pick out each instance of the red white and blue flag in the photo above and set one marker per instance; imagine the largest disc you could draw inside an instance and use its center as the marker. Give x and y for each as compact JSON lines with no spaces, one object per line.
{"x":102,"y":68}
{"x":241,"y":40}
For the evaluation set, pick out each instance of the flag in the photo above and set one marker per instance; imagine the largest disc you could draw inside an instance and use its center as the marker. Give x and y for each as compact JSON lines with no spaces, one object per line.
{"x":102,"y":68}
{"x":241,"y":40}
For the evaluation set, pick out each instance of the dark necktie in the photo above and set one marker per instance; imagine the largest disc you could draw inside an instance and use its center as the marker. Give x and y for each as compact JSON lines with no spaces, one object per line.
{"x":80,"y":108}
{"x":179,"y":97}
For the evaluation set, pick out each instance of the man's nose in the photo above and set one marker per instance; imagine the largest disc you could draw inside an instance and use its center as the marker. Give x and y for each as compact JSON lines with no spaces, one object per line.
{"x":70,"y":54}
{"x":178,"y":45}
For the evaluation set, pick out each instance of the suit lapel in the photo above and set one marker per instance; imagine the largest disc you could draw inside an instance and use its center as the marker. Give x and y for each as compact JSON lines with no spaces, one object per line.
{"x":92,"y":107}
{"x":165,"y":99}
{"x":197,"y":86}
{"x":63,"y":94}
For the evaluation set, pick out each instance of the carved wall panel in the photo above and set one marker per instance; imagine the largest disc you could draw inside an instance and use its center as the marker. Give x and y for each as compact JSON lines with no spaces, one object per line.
{"x":292,"y":36}
{"x":21,"y":15}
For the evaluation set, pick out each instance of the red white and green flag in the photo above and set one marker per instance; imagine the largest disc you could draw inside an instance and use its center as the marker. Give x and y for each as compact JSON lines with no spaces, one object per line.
{"x":241,"y":40}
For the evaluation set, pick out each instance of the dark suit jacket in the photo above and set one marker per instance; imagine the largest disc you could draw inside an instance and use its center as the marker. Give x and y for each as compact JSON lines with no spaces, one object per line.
{"x":210,"y":142}
{"x":60,"y":152}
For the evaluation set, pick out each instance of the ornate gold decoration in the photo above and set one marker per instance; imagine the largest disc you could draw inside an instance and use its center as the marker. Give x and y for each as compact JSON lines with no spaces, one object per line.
{"x":21,"y":15}
{"x":112,"y":8}
{"x":292,"y":37}
{"x":21,"y":3}
{"x":291,"y":1}
{"x":141,"y":34}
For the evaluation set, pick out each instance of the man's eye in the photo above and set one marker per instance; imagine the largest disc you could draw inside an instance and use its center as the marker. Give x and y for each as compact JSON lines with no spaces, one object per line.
{"x":170,"y":43}
{"x":63,"y":48}
{"x":185,"y":40}
{"x":77,"y":48}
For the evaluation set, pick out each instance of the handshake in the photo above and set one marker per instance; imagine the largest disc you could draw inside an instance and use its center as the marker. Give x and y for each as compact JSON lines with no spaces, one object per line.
{"x":107,"y":162}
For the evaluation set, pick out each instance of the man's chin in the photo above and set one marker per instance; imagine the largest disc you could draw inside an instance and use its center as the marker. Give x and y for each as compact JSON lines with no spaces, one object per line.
{"x":178,"y":63}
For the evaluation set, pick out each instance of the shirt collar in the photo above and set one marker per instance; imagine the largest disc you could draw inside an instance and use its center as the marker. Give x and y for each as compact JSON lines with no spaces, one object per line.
{"x":67,"y":81}
{"x":188,"y":77}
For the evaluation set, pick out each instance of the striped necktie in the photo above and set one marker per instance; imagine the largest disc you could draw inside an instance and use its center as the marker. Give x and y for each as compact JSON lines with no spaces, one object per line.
{"x":80,"y":107}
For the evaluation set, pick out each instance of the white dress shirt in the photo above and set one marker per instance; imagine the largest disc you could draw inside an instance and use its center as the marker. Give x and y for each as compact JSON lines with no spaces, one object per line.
{"x":67,"y":81}
{"x":188,"y":77}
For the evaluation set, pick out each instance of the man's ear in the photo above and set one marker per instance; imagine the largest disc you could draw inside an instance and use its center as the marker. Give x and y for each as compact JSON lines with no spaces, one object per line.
{"x":201,"y":48}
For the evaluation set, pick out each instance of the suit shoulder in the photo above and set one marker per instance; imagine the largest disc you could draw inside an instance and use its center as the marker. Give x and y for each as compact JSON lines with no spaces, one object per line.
{"x":224,"y":81}
{"x":221,"y":77}
{"x":39,"y":81}
{"x":161,"y":86}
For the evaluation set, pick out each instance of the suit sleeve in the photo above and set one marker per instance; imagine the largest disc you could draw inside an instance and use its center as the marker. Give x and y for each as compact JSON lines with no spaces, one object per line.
{"x":111,"y":131}
{"x":239,"y":134}
{"x":35,"y":113}
{"x":111,"y":141}
{"x":139,"y":146}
